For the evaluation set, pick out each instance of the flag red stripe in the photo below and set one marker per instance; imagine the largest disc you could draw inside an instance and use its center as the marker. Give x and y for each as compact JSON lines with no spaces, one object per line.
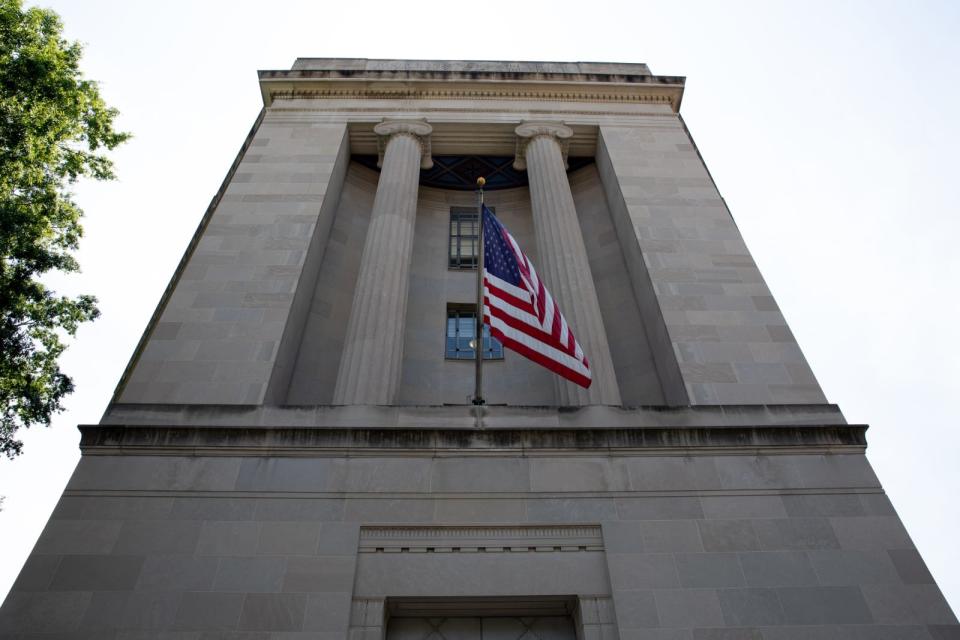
{"x":540,"y":359}
{"x":524,"y":336}
{"x":552,"y":338}
{"x":523,"y":327}
{"x":512,"y":300}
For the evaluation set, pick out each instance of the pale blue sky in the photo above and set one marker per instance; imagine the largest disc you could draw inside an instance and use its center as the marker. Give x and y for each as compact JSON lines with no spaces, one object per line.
{"x":830,"y":128}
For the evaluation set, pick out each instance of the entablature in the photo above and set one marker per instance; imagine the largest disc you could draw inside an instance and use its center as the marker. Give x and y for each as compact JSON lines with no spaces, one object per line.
{"x":459,"y":80}
{"x":472,"y":138}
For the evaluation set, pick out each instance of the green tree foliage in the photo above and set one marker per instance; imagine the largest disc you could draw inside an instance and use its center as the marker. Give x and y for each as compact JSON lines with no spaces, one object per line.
{"x":54,"y":128}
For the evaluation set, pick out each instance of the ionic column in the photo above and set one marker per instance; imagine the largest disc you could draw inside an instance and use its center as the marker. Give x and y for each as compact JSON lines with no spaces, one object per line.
{"x":370,"y":364}
{"x":562,"y":263}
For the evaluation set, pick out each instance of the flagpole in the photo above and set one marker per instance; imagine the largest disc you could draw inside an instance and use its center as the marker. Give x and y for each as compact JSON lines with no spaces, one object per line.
{"x":478,"y":334}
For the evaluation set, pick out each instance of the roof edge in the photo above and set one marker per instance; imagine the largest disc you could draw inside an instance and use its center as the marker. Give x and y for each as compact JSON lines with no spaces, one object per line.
{"x":374,"y":65}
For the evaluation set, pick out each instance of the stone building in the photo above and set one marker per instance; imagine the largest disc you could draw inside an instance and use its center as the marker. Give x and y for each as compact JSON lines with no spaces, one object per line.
{"x":292,"y":452}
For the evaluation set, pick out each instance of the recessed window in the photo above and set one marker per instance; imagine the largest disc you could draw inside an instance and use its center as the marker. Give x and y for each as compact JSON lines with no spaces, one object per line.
{"x":461,"y":329}
{"x":463,"y":238}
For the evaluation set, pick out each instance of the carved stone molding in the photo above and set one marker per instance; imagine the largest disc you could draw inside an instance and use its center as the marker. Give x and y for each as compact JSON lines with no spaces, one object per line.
{"x":419,"y":130}
{"x":657,"y":94}
{"x":306,"y":441}
{"x":482,"y":539}
{"x":530,"y":130}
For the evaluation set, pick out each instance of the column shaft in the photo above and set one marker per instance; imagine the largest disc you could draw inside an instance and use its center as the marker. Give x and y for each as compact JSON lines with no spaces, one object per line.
{"x":565,"y":270}
{"x":371,"y":361}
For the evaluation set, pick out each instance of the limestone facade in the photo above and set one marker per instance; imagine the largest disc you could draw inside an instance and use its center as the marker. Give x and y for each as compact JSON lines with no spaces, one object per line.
{"x":289,"y":454}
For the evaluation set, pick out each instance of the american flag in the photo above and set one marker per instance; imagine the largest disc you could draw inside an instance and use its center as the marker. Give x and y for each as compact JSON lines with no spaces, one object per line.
{"x":520,"y":311}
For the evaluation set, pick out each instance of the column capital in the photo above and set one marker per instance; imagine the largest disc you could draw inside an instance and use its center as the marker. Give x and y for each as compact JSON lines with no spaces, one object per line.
{"x":532,"y":129}
{"x":419,"y":130}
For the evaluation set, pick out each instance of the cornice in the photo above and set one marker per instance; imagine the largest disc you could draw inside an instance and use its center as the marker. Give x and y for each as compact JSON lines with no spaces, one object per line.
{"x":473,"y":70}
{"x":293,"y":88}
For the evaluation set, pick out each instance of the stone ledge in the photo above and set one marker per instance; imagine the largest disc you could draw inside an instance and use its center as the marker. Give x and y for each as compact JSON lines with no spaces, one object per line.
{"x":287,"y":441}
{"x":467,"y":416}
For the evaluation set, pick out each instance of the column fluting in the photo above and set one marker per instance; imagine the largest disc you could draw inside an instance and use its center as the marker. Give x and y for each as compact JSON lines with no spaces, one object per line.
{"x":563,"y":263}
{"x":372,"y":353}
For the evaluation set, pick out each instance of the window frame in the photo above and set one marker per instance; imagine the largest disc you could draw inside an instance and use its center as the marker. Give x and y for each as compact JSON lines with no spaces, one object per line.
{"x":461,"y":311}
{"x":455,"y":237}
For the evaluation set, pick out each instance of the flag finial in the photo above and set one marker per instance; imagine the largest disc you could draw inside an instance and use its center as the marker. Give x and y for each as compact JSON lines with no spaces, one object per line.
{"x":481,"y":181}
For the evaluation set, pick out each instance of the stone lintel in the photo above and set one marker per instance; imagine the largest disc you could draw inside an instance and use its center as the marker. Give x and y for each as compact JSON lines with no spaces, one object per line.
{"x":292,"y":441}
{"x":480,"y":139}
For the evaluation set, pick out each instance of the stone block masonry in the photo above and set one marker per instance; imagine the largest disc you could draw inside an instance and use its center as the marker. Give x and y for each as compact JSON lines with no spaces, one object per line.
{"x":219,"y":336}
{"x":291,"y":456}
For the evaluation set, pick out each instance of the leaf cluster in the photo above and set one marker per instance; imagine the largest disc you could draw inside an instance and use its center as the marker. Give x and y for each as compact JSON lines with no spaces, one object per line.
{"x":54,"y":129}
